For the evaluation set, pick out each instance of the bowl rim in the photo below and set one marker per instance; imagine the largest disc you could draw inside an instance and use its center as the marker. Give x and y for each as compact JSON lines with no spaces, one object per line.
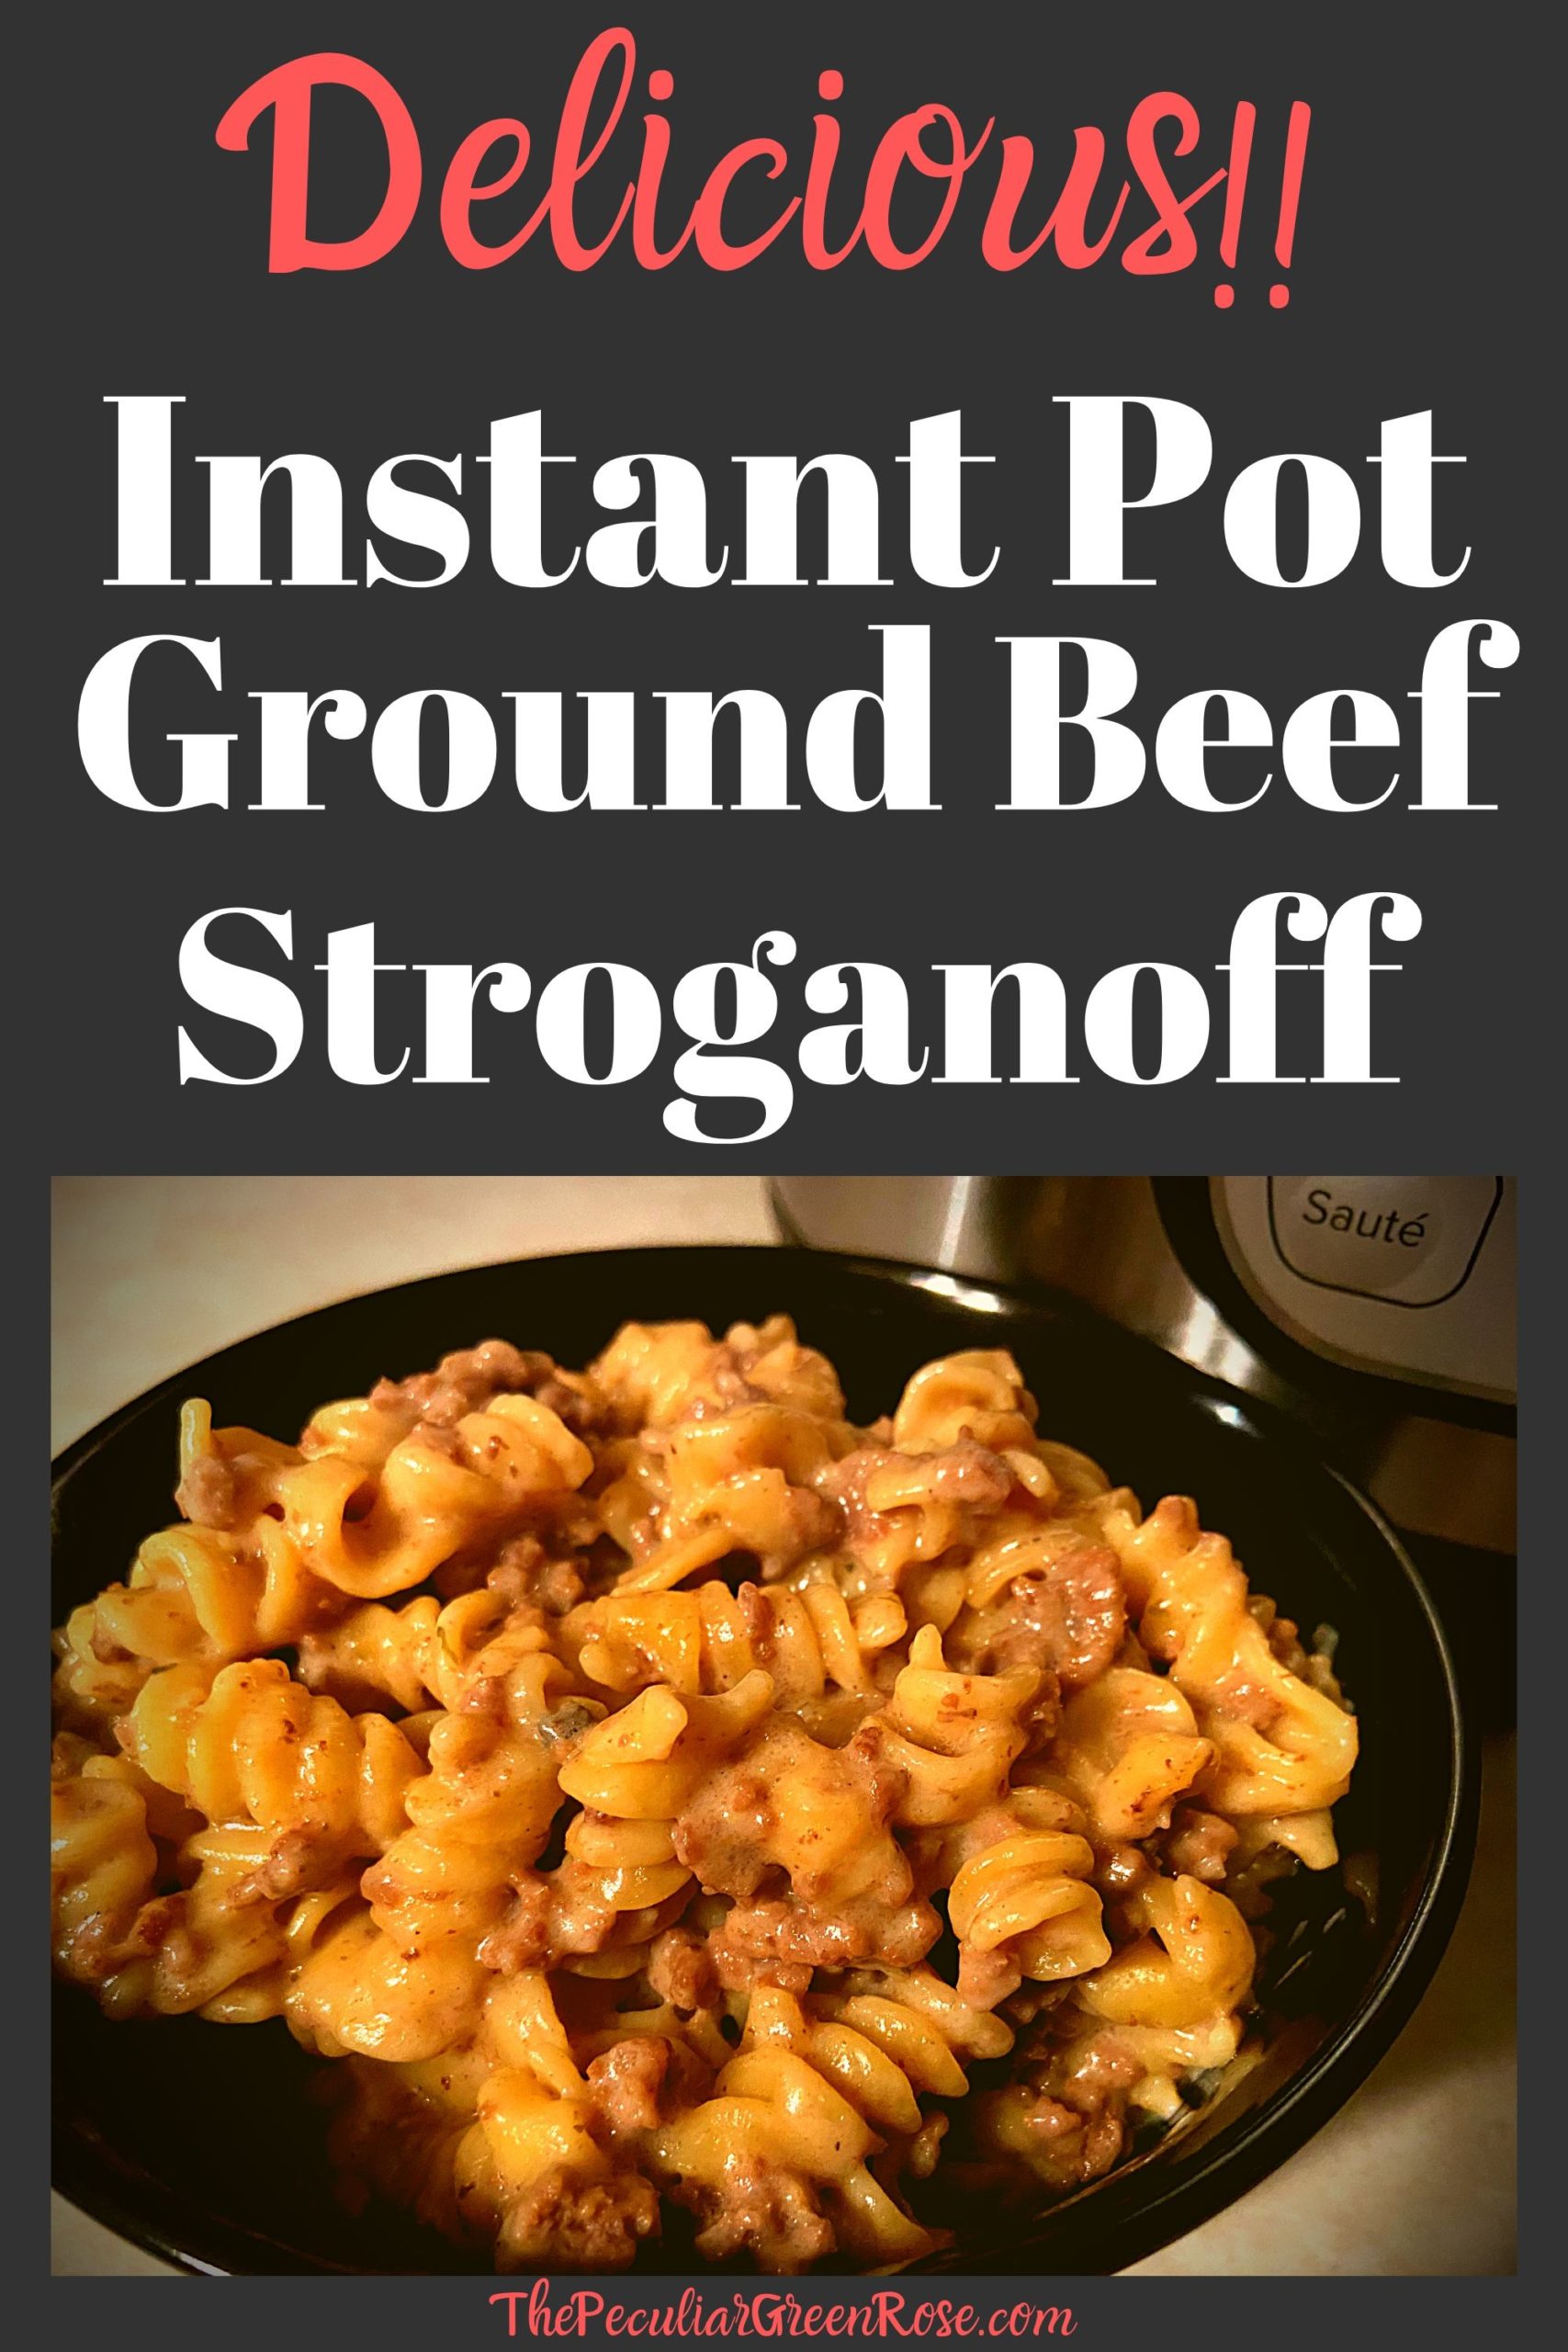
{"x":1240,"y":2155}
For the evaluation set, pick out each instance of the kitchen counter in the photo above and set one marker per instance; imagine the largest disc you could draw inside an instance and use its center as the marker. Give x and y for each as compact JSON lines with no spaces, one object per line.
{"x":1414,"y":2175}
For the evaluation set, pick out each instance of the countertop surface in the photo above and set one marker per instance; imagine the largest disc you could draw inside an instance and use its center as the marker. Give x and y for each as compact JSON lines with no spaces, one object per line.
{"x":1414,"y":2175}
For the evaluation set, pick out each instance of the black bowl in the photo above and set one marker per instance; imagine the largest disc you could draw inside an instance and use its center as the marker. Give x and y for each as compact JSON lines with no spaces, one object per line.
{"x":201,"y":2142}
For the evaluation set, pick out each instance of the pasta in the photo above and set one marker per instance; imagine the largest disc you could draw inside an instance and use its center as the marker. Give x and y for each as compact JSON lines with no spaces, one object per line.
{"x":668,"y":1807}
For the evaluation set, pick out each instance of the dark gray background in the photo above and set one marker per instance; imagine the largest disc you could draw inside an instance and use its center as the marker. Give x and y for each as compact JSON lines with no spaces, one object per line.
{"x":1408,"y":291}
{"x":1418,"y":281}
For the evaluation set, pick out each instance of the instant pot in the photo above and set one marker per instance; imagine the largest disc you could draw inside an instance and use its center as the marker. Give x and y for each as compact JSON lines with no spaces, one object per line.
{"x":1380,"y":1311}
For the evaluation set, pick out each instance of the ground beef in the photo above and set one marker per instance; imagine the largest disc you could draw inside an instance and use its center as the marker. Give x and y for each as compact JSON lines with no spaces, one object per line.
{"x":768,"y":2212}
{"x":728,"y":1389}
{"x":1075,"y":2104}
{"x":624,"y":2083}
{"x":969,"y":1475}
{"x":742,"y":1971}
{"x":762,"y":1365}
{"x":783,"y":1931}
{"x":565,"y":2222}
{"x":205,"y":1494}
{"x":466,"y":1381}
{"x":1100,"y":2071}
{"x":724,"y":1835}
{"x":1249,"y":1702}
{"x":966,"y":1477}
{"x":162,"y":1927}
{"x":585,"y":1415}
{"x":551,"y":1916}
{"x":1070,"y":2148}
{"x":525,"y":1572}
{"x":808,"y":1522}
{"x":744,"y":1824}
{"x":796,"y":1833}
{"x":1070,"y":1620}
{"x":1198,"y":1845}
{"x":985,"y":1978}
{"x":298,"y":1860}
{"x":680,"y":1972}
{"x":517,"y":1569}
{"x":640,"y":2082}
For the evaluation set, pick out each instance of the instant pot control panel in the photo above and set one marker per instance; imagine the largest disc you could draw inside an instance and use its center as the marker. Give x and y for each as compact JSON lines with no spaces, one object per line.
{"x":1410,"y":1277}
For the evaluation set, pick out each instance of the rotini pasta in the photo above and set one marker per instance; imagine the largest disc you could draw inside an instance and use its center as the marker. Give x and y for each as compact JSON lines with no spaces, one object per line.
{"x":670,"y":1807}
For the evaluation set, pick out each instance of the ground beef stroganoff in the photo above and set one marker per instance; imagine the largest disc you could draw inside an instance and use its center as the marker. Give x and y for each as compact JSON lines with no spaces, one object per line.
{"x":670,"y":1807}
